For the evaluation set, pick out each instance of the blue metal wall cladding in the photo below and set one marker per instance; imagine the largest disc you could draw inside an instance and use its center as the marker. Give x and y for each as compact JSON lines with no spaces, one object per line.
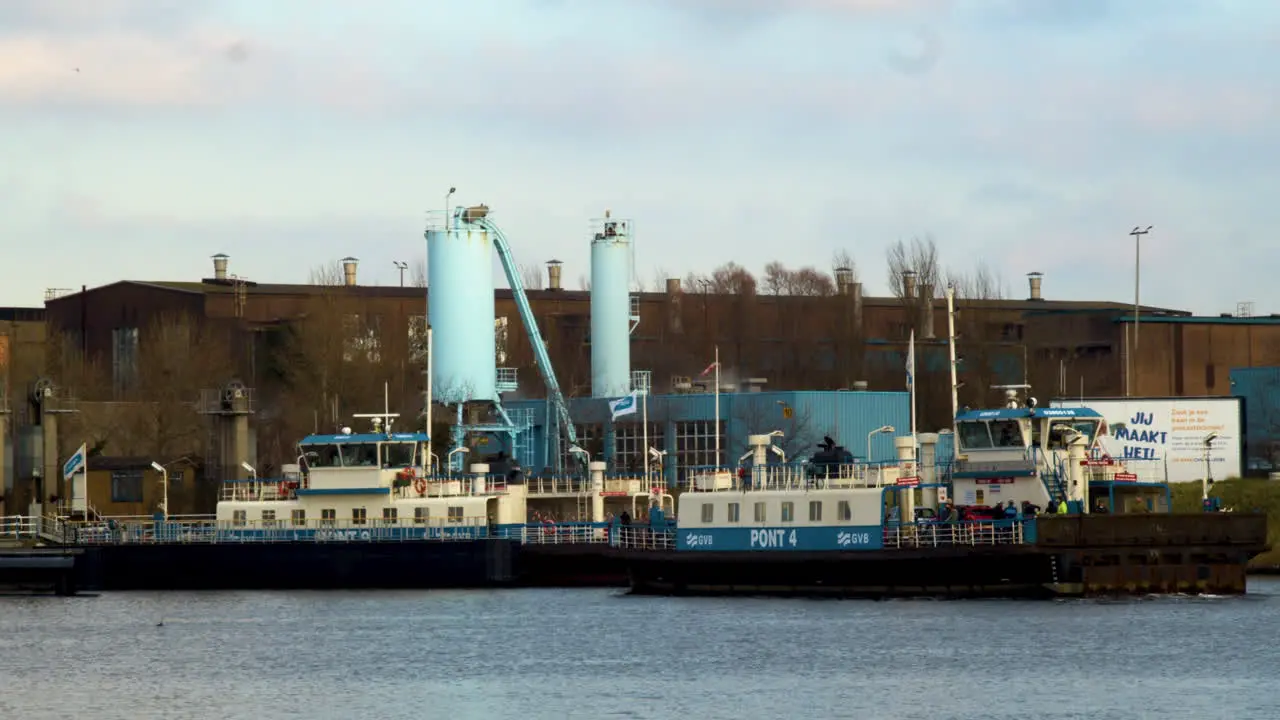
{"x":847,"y":417}
{"x":610,"y":316}
{"x":1259,"y":388}
{"x":461,"y":309}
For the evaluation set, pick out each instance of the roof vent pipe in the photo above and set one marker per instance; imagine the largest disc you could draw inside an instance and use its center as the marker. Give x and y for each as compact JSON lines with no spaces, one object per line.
{"x":1034,"y":279}
{"x":220,"y":267}
{"x":553,"y":274}
{"x":349,"y":271}
{"x":909,"y":284}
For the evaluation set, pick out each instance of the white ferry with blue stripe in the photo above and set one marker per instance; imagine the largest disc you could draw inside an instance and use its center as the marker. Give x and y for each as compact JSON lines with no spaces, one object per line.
{"x":966,"y":523}
{"x":371,"y":486}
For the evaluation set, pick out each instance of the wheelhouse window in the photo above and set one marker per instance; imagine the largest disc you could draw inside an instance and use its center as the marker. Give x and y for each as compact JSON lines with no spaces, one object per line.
{"x":1060,"y":429}
{"x":974,"y":434}
{"x":1007,"y":434}
{"x":360,"y":455}
{"x":322,"y":456}
{"x":398,"y":454}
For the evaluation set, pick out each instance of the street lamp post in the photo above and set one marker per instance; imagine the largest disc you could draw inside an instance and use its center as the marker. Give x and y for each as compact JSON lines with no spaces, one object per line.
{"x":579,"y":451}
{"x":872,"y":434}
{"x":164,"y":481}
{"x":401,"y":266}
{"x":455,"y":451}
{"x":1132,"y":371}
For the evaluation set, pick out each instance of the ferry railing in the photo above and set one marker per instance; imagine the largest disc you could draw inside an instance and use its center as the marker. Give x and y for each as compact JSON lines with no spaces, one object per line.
{"x":19,"y":527}
{"x":643,"y":538}
{"x":930,"y":534}
{"x":557,"y":485}
{"x":128,"y":531}
{"x":1134,"y":470}
{"x":564,"y":534}
{"x":798,"y":476}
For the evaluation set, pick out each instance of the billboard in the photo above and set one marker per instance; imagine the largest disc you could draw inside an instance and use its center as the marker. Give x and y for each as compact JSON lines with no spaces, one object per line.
{"x":1173,"y":430}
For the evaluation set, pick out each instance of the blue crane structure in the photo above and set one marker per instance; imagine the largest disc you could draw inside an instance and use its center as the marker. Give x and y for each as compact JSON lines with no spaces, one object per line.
{"x":479,"y":218}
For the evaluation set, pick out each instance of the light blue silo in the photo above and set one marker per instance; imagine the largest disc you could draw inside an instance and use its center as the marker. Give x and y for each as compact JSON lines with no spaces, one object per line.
{"x":611,"y":309}
{"x":461,"y":312}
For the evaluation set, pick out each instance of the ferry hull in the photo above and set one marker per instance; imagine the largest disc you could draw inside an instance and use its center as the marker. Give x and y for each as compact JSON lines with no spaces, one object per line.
{"x":298,"y":565}
{"x":1074,"y":556}
{"x":993,"y":572}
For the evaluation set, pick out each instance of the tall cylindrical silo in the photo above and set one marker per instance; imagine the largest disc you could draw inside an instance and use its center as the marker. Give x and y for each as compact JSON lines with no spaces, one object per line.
{"x":461,"y":312}
{"x":611,"y":308}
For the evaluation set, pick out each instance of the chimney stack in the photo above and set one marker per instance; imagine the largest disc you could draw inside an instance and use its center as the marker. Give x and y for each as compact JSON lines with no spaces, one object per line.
{"x":844,"y":280}
{"x":909,"y":284}
{"x":1034,"y":280}
{"x":349,"y":271}
{"x":220,"y":267}
{"x":553,"y":274}
{"x":926,"y":312}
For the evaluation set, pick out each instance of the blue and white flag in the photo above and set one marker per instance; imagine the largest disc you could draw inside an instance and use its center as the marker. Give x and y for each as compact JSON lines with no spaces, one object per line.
{"x":75,"y":463}
{"x":911,"y":361}
{"x":623,"y":406}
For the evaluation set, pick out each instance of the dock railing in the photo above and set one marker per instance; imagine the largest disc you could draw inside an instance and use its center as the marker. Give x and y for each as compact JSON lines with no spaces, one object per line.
{"x":19,"y":527}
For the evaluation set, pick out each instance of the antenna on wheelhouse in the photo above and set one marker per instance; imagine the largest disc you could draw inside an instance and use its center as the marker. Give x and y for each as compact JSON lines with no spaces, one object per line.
{"x":382,"y":421}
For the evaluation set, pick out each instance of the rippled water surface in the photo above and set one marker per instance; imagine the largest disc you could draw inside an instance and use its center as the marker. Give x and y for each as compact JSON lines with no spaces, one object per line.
{"x":598,"y":654}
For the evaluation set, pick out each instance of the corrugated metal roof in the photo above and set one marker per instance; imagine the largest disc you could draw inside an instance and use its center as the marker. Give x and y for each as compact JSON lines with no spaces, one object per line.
{"x":1203,"y":320}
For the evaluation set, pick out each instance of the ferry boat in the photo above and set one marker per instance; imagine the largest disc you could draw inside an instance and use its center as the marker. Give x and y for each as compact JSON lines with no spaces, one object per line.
{"x":975,"y":524}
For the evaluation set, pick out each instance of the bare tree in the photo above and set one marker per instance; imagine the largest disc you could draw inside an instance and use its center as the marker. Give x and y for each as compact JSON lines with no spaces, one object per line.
{"x":800,"y":434}
{"x":531,"y":275}
{"x":844,"y":259}
{"x":780,"y":280}
{"x":420,"y":273}
{"x":328,"y":274}
{"x":584,"y":282}
{"x":919,"y":256}
{"x":732,"y":279}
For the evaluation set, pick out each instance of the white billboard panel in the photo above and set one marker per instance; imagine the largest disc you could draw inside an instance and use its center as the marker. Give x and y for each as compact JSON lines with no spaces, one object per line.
{"x":1174,"y":430}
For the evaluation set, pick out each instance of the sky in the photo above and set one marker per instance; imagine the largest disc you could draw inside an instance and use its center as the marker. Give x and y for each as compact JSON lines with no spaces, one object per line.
{"x":140,"y":137}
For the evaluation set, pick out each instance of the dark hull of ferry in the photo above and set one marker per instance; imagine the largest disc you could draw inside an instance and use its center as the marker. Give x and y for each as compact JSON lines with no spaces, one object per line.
{"x":1074,"y":556}
{"x":993,"y":572}
{"x":296,"y":566}
{"x":346,"y":566}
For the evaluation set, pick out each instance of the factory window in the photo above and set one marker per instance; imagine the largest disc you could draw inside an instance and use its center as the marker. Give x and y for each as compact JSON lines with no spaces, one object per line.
{"x":421,"y":515}
{"x":733,"y":512}
{"x":124,"y":359}
{"x":761,"y":516}
{"x":843,"y":512}
{"x":299,"y":517}
{"x":390,"y":516}
{"x":358,"y":516}
{"x":126,"y":486}
{"x":815,"y":511}
{"x":629,"y":449}
{"x":455,"y":513}
{"x":708,"y":512}
{"x":788,"y":512}
{"x":590,"y":438}
{"x":418,"y":338}
{"x":696,"y":445}
{"x":328,"y":516}
{"x":268,"y":518}
{"x":239,"y":518}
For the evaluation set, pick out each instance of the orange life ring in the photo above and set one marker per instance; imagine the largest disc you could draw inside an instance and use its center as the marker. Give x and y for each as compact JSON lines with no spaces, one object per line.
{"x":420,"y":485}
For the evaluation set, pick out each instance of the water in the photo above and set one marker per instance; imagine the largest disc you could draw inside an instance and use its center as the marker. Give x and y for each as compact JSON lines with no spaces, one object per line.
{"x":596,"y":654}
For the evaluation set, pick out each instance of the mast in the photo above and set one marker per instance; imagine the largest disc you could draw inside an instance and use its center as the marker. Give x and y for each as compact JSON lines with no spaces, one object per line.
{"x":951,"y":349}
{"x":716,"y":430}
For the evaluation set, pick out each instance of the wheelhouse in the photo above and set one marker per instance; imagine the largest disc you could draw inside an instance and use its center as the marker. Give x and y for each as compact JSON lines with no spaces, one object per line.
{"x":363,"y":451}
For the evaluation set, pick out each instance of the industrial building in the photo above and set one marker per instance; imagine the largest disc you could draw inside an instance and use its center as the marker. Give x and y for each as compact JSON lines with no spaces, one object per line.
{"x":530,"y":372}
